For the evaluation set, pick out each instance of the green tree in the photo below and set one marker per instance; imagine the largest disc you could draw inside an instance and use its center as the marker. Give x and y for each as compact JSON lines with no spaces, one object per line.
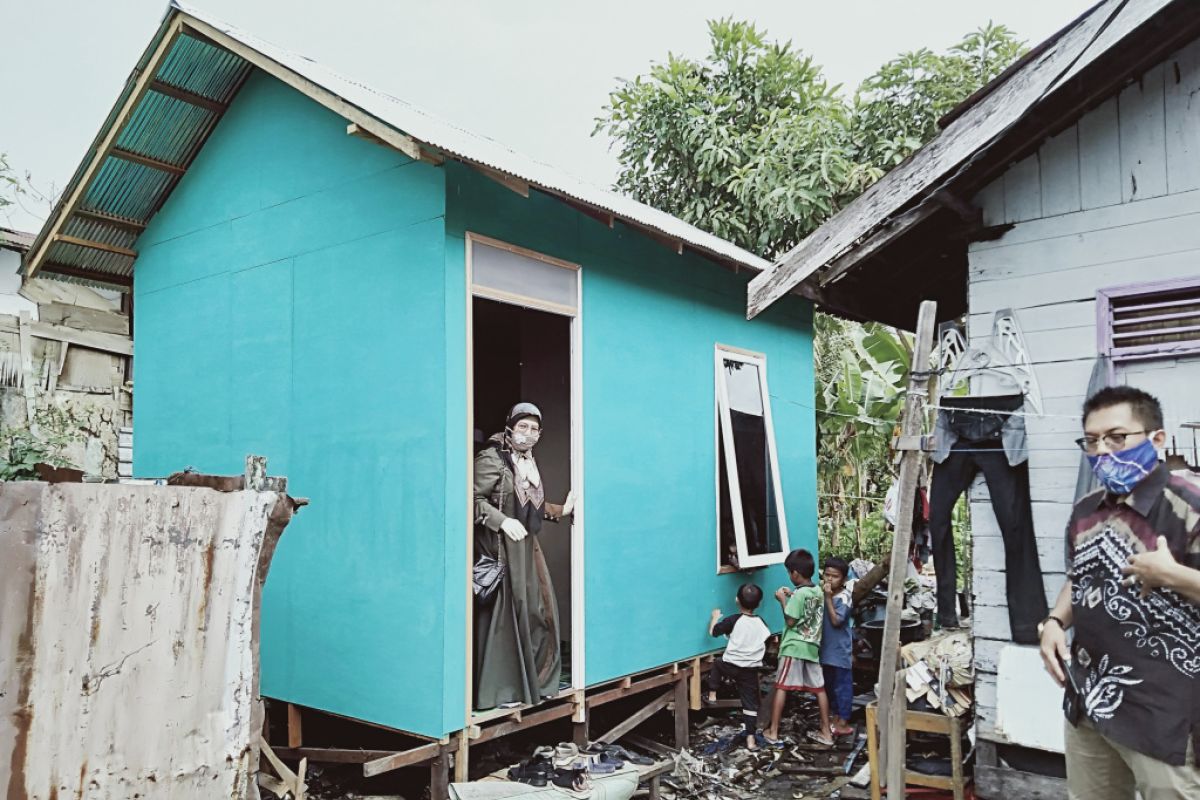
{"x":10,"y":184}
{"x":753,"y":144}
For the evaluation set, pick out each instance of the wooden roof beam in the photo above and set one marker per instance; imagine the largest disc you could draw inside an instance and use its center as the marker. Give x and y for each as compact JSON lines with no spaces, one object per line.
{"x":108,"y":219}
{"x":70,"y":202}
{"x":94,"y":245}
{"x":191,"y":98}
{"x":509,"y":182}
{"x":87,"y":274}
{"x":146,"y":161}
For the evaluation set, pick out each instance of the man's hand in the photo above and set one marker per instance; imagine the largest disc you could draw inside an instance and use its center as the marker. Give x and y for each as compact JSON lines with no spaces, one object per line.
{"x":1151,"y":569}
{"x":513,"y":529}
{"x":1054,"y":647}
{"x":783,"y":594}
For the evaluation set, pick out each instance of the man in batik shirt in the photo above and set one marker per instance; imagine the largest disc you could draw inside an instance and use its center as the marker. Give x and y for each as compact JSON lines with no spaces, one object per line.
{"x":1132,"y":597}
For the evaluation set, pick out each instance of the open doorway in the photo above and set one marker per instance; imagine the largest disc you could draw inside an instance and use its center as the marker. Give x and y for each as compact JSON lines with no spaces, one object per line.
{"x":523,"y":350}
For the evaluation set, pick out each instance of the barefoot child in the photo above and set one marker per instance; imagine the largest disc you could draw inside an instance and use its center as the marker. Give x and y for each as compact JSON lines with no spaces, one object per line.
{"x":837,"y":644}
{"x":799,"y":649}
{"x":743,"y":655}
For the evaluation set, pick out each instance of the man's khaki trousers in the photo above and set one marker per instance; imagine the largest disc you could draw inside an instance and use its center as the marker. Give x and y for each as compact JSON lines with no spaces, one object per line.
{"x":1099,"y":769}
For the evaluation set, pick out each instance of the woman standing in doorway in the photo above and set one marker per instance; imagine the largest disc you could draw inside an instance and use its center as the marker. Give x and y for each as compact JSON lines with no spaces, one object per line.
{"x":517,"y":656}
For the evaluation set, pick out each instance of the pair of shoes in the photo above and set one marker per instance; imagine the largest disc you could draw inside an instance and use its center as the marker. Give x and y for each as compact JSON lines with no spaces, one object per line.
{"x":535,"y":771}
{"x":574,"y":780}
{"x":604,"y":763}
{"x":566,"y":754}
{"x":616,"y":752}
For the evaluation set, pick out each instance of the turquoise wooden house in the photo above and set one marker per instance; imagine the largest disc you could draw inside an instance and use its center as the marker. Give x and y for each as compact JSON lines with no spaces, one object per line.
{"x":325,"y":275}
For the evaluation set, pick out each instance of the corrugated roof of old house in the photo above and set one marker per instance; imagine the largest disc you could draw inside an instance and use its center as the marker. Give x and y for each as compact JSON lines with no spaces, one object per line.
{"x":15,"y":240}
{"x":903,"y":239}
{"x":175,"y":97}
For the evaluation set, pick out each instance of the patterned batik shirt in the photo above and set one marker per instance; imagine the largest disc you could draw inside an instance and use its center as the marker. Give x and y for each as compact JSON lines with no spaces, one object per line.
{"x":1135,"y":660}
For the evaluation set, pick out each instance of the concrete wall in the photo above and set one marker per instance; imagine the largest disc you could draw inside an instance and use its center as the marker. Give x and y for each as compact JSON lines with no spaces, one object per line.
{"x":1112,"y":200}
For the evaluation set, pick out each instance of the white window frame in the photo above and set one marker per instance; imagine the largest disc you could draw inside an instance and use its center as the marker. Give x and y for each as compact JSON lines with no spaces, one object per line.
{"x":721,"y":354}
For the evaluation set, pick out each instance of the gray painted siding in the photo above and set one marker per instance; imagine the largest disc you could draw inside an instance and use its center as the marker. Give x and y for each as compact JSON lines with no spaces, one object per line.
{"x":1111,"y":200}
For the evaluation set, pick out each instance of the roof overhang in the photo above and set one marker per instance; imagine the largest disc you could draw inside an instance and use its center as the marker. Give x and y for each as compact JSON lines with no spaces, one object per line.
{"x":905,"y":238}
{"x":173,"y":100}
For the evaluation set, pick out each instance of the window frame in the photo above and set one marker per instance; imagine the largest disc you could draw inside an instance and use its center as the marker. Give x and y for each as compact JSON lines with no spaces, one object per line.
{"x":1104,"y":323}
{"x":723,"y":435}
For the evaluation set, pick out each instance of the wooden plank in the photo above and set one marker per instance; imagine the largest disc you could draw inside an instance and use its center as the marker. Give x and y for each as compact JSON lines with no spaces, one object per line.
{"x":407,"y":758}
{"x":26,"y":343}
{"x":695,"y":699}
{"x":295,"y":727}
{"x":462,"y":757}
{"x":1143,"y":137}
{"x":927,"y":723}
{"x":108,"y":219}
{"x":650,"y":746}
{"x":331,"y":755}
{"x":1100,"y":156}
{"x":146,"y":161}
{"x":529,"y":720}
{"x":1004,"y":783}
{"x":1183,"y":119}
{"x":405,"y":144}
{"x":681,"y":713}
{"x":877,"y":241}
{"x":107,"y":342}
{"x":94,"y":245}
{"x":635,"y":687}
{"x":1023,"y":190}
{"x":70,"y":202}
{"x":191,"y":98}
{"x":641,"y":716}
{"x":873,"y":748}
{"x":956,"y":758}
{"x":895,"y":745}
{"x":510,"y":182}
{"x":124,"y":281}
{"x":910,"y":466}
{"x":1059,"y":159}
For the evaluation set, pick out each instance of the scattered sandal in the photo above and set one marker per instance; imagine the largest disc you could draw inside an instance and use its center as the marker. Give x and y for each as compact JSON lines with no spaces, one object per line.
{"x":819,"y":739}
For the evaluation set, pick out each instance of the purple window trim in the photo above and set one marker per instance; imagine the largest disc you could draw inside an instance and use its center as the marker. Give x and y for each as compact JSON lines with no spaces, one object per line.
{"x":1104,"y":327}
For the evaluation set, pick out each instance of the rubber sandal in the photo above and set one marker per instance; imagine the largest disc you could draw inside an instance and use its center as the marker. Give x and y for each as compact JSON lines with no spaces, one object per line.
{"x":633,"y":758}
{"x":534,"y":772}
{"x":574,"y":780}
{"x":816,"y":737}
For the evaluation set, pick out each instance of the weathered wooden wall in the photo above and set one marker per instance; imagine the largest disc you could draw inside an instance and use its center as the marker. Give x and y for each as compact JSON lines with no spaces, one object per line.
{"x":1113,"y":199}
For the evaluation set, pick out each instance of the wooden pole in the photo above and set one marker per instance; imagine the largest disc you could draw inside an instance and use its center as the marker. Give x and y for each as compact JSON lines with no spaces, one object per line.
{"x":910,"y":470}
{"x":439,"y":776}
{"x":681,"y":711}
{"x":894,"y":744}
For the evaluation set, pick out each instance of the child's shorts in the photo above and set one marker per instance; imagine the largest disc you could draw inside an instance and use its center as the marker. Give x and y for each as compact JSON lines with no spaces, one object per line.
{"x":798,"y":675}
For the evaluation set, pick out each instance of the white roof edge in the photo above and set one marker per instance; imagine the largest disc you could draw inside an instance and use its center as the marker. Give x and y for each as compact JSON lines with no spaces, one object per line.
{"x":467,"y":146}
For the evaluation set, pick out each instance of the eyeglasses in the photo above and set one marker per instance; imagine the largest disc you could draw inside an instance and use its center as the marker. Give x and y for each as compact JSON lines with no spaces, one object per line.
{"x":1113,"y":441}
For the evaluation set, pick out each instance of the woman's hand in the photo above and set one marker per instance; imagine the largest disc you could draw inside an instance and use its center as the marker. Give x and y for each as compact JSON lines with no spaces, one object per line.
{"x":513,"y":529}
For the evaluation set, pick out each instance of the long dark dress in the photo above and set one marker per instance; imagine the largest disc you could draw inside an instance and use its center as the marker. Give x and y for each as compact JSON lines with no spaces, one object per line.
{"x":517,"y":657}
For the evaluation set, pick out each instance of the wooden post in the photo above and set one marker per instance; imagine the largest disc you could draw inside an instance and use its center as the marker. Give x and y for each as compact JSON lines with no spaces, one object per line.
{"x":579,"y":720}
{"x":695,"y":699}
{"x":910,"y":470}
{"x":873,"y":748}
{"x":897,"y":731}
{"x":439,"y":776}
{"x":462,"y":757}
{"x":956,"y":757}
{"x":681,"y":711}
{"x":295,"y":730}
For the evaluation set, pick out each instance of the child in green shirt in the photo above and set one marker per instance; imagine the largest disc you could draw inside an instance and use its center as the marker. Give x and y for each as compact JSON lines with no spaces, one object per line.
{"x":800,"y":647}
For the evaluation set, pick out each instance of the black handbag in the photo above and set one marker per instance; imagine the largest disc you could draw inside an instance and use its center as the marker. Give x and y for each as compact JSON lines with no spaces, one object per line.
{"x":488,"y":573}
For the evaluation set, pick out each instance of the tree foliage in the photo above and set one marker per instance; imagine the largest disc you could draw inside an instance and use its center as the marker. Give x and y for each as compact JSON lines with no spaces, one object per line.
{"x":753,"y":144}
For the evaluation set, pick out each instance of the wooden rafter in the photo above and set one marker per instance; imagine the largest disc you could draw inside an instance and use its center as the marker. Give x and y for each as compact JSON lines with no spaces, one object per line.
{"x":108,"y":219}
{"x":94,"y":245}
{"x":87,"y":274}
{"x":191,"y":98}
{"x":146,"y":161}
{"x":510,"y":182}
{"x":71,"y":202}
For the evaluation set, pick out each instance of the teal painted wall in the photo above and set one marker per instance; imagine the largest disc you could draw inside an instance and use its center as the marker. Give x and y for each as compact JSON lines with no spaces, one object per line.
{"x":302,"y":295}
{"x":290,"y":301}
{"x":650,"y":321}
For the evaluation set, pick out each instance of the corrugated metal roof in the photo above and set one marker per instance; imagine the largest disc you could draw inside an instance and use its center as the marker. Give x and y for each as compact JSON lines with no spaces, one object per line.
{"x":163,"y":131}
{"x":452,"y":139}
{"x":973,"y":131}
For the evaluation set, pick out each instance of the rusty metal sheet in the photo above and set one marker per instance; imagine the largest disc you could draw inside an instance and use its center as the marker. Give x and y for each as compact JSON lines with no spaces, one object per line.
{"x":129,"y":639}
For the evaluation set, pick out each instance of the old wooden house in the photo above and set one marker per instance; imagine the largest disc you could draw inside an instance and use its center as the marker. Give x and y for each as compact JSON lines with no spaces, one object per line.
{"x":328,"y":276}
{"x":1066,"y":192}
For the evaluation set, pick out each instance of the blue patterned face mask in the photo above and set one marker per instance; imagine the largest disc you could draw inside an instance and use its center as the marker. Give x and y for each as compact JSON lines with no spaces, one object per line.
{"x":1120,"y":472}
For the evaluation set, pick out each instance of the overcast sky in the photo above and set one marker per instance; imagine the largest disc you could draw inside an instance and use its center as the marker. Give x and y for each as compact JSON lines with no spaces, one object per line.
{"x":530,"y":73}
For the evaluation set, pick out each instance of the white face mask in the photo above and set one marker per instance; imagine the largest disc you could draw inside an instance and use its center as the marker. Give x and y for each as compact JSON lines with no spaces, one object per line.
{"x":524,"y":442}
